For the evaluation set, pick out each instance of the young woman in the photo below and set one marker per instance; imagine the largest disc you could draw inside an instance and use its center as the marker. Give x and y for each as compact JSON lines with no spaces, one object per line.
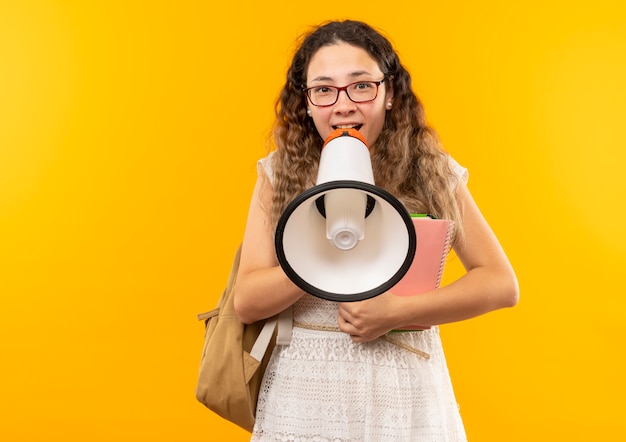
{"x":336,"y":380}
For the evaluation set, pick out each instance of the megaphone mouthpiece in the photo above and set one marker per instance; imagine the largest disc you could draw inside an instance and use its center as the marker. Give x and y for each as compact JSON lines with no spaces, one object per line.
{"x":350,"y":132}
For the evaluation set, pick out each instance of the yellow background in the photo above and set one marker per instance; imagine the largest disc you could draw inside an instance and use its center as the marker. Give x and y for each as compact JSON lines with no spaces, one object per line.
{"x":129,"y":132}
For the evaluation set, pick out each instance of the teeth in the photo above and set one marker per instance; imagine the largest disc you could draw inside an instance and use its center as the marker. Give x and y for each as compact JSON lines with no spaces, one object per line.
{"x":345,"y":126}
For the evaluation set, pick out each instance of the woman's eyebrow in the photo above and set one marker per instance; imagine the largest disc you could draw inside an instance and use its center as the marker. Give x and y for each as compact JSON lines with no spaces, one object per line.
{"x":322,"y":78}
{"x":330,"y":79}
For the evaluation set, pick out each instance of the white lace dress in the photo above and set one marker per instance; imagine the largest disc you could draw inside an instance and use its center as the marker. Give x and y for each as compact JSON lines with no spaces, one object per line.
{"x":323,"y":387}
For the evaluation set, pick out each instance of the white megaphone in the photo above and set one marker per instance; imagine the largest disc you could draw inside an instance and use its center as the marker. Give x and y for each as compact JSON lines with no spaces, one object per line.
{"x":345,"y":239}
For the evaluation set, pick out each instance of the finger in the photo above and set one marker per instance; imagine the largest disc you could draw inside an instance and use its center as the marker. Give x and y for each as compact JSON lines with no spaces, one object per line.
{"x":346,"y":327}
{"x":347,"y":313}
{"x":342,"y":322}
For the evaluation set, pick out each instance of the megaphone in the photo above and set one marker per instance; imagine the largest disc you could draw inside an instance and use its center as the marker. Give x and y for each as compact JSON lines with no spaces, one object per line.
{"x":345,"y":239}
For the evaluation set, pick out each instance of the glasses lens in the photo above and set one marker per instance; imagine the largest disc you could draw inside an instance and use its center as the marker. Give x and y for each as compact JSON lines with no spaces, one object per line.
{"x":323,"y":95}
{"x":363,"y":91}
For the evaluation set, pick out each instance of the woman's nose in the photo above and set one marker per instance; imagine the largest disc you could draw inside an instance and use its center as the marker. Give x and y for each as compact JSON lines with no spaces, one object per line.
{"x":344,"y":104}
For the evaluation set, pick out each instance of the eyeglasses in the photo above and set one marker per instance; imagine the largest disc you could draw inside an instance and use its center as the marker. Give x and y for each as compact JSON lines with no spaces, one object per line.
{"x":358,"y":92}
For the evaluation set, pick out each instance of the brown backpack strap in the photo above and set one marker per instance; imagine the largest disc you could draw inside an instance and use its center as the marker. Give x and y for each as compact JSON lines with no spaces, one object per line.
{"x":284,"y":320}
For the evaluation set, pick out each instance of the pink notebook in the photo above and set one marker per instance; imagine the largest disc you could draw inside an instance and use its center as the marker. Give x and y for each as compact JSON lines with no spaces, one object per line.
{"x":433,"y":245}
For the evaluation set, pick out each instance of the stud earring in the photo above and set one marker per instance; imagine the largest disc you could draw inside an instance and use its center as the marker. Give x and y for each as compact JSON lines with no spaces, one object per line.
{"x":389,"y":105}
{"x":308,"y":112}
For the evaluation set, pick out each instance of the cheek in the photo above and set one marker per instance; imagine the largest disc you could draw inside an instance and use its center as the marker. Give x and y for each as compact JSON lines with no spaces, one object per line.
{"x":375,"y":126}
{"x":321,"y":124}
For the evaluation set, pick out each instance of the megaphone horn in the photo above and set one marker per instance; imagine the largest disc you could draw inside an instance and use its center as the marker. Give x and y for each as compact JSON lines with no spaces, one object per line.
{"x":345,"y":239}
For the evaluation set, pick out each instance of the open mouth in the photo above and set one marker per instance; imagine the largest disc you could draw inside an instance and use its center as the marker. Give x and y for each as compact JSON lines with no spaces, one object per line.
{"x":349,"y":126}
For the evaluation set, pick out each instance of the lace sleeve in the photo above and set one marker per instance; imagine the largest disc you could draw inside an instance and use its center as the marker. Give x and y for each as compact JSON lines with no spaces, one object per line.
{"x":460,"y":172}
{"x":265,"y":165}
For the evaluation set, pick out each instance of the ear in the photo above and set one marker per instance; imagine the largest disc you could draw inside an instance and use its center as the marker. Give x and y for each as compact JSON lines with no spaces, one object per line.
{"x":389,"y":86}
{"x":389,"y":94}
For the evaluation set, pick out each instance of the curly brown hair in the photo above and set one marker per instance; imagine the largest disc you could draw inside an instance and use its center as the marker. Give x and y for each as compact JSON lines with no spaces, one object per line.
{"x":407,"y":160}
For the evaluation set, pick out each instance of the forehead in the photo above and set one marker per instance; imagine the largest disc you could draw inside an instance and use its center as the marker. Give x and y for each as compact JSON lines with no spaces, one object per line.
{"x":341,"y":62}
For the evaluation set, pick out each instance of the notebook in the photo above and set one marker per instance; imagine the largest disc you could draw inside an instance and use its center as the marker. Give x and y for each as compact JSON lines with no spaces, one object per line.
{"x":424,"y":274}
